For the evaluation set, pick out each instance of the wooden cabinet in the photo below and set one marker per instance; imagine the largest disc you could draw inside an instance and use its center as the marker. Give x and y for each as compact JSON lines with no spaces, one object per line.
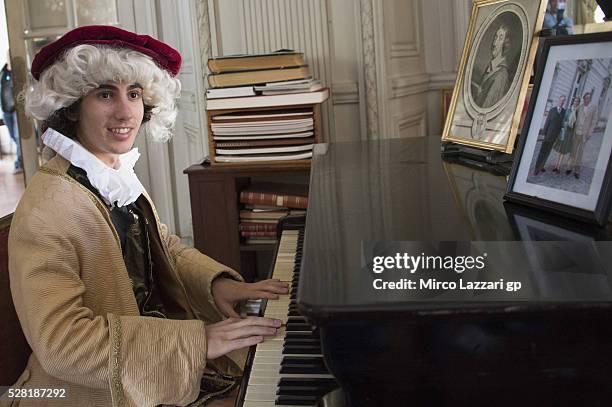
{"x":215,"y":208}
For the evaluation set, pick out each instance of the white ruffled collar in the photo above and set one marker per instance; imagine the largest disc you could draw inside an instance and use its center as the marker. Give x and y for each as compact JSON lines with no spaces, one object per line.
{"x":116,"y":186}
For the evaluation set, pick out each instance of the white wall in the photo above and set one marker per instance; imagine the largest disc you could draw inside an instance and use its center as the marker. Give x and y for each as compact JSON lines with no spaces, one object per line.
{"x":385,"y":61}
{"x":4,"y":42}
{"x":445,"y":23}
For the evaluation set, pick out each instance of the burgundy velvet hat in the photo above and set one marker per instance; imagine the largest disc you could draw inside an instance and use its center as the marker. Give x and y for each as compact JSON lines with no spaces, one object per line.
{"x":164,"y":55}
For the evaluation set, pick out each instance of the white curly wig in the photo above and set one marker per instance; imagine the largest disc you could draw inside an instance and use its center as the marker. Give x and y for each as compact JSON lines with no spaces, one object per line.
{"x":84,"y":68}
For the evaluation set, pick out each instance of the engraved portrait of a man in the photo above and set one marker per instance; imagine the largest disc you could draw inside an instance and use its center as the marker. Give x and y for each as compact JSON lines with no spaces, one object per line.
{"x":496,"y":61}
{"x":495,"y":80}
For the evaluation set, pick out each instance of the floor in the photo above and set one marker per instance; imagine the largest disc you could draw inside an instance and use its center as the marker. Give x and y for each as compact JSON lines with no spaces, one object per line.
{"x":11,"y":185}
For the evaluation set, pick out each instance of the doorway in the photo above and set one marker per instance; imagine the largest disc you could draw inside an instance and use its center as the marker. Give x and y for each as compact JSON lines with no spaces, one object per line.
{"x":28,"y":26}
{"x":12,"y":181}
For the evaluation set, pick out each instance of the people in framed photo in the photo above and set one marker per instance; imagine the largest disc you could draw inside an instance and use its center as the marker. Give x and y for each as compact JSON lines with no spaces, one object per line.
{"x":563,"y":162}
{"x":494,"y":73}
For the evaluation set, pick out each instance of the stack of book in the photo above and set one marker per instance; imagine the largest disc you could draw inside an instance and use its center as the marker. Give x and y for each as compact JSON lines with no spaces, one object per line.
{"x":263,"y":136}
{"x":237,"y":75}
{"x":263,"y":108}
{"x":265,"y":205}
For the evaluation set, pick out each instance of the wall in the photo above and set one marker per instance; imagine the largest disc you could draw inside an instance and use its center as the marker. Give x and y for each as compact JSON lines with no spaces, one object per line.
{"x":445,"y":23}
{"x":384,"y":60}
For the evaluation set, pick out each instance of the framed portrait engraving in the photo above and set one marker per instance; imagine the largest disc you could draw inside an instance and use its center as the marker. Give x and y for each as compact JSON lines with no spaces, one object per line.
{"x":494,"y":73}
{"x":563,"y":162}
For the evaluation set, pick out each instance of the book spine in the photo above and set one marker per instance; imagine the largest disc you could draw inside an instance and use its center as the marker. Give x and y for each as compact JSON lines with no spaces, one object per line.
{"x":264,"y":198}
{"x":257,"y":227}
{"x":250,"y":233}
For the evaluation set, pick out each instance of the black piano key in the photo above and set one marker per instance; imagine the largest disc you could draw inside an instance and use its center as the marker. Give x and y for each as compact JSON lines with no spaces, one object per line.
{"x":306,"y":386}
{"x":298,"y":326}
{"x":303,"y":341}
{"x":299,"y":335}
{"x":294,"y":365}
{"x":298,"y":390}
{"x":302,"y":360}
{"x":296,"y":400}
{"x":307,"y":381}
{"x":301,"y":350}
{"x":303,"y":369}
{"x":312,"y":386}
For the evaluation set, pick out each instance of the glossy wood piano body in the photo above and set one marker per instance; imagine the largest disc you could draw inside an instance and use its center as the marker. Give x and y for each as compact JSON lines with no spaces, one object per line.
{"x":548,"y":345}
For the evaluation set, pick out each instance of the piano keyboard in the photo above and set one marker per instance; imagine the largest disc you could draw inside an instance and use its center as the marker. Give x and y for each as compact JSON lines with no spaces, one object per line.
{"x":287,"y":370}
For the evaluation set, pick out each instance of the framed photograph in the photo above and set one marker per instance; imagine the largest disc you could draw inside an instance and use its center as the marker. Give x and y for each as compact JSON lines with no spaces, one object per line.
{"x":494,"y":73}
{"x":563,"y":162}
{"x":525,"y":108}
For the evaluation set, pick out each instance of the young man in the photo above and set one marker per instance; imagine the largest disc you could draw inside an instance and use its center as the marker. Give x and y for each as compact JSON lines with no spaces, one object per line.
{"x":117,"y":311}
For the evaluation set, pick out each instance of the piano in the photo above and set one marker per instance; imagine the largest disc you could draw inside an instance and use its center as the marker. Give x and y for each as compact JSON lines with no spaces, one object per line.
{"x":347,"y":343}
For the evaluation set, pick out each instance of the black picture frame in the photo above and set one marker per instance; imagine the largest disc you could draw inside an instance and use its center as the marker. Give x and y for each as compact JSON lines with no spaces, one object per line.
{"x":586,"y":199}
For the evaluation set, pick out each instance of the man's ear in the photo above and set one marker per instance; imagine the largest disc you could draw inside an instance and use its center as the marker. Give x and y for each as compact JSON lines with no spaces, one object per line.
{"x":72,"y":111}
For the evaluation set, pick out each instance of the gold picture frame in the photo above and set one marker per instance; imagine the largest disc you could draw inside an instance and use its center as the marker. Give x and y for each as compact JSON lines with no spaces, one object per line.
{"x":446,"y":96}
{"x":494,"y":73}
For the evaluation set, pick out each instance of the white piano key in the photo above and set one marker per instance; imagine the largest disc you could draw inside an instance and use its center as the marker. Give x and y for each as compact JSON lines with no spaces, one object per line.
{"x":268,"y":359}
{"x":259,"y":404}
{"x":259,"y":392}
{"x":273,"y":374}
{"x":265,"y":367}
{"x":271,"y":404}
{"x":265,"y":370}
{"x":262,"y":380}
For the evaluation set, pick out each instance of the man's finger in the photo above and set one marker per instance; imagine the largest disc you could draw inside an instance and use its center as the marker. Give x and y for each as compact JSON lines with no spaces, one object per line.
{"x":226,"y":321}
{"x":268,"y":295}
{"x":278,"y":289}
{"x":251,"y":330}
{"x":245,"y":342}
{"x":271,"y":284}
{"x":261,"y":321}
{"x":229,"y":310}
{"x":256,"y":295}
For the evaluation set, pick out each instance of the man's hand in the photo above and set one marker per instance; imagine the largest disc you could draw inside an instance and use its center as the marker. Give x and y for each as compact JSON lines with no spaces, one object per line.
{"x":231,"y":334}
{"x":227,"y":292}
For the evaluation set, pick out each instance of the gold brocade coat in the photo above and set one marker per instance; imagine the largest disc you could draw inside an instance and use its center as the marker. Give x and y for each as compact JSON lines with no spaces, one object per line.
{"x":78,"y":312}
